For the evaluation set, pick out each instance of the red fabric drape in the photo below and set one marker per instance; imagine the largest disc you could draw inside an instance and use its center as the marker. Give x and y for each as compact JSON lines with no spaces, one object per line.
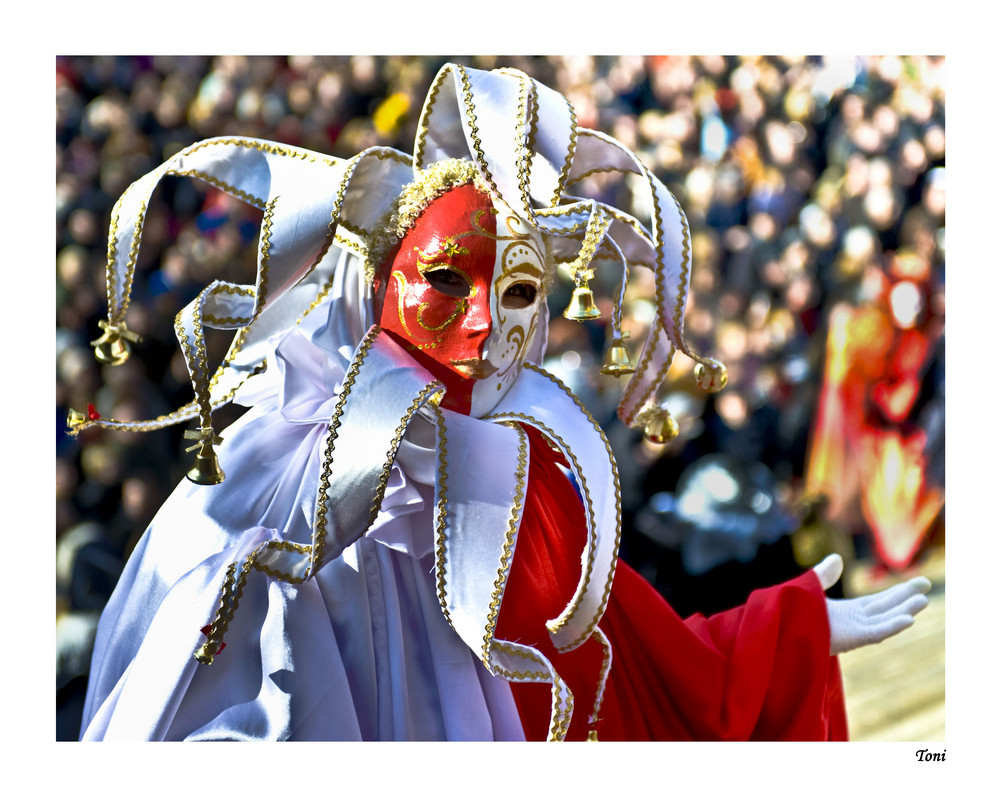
{"x":761,"y":671}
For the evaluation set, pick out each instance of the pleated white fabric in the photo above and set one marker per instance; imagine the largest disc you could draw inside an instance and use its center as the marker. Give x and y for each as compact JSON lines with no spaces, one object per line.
{"x":360,"y":651}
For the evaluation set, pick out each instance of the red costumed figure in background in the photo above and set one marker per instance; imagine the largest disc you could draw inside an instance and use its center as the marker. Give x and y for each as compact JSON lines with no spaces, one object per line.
{"x":868,"y":455}
{"x":417,"y":523}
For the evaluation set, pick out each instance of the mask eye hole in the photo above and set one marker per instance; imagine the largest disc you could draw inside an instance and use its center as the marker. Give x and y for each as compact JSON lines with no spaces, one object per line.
{"x":448,"y":282}
{"x":519,"y":295}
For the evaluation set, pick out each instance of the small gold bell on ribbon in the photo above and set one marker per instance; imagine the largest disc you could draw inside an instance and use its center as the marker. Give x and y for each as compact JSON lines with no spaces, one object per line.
{"x":617,"y":361}
{"x":661,"y":428}
{"x":110,"y":348}
{"x":205,"y":654}
{"x":75,"y":418}
{"x":206,"y":468}
{"x":711,"y":376}
{"x":581,"y":305}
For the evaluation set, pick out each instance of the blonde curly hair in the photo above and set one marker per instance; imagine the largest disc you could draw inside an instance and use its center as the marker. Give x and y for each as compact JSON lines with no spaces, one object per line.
{"x":431,"y":183}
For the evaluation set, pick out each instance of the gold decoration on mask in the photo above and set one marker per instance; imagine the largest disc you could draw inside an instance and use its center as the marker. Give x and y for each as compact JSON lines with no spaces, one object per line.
{"x":617,"y":361}
{"x":112,"y":347}
{"x":711,"y":375}
{"x":661,"y":427}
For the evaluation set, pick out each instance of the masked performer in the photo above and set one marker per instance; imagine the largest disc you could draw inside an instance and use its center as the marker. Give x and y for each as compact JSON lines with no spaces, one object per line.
{"x":412,"y":533}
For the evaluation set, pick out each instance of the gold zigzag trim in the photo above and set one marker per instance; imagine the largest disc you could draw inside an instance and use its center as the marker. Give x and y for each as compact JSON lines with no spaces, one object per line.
{"x":250,"y":199}
{"x":264,"y":257}
{"x":421,"y":398}
{"x":262,"y":146}
{"x":508,"y":547}
{"x":319,"y":524}
{"x":113,"y":315}
{"x":570,"y":154}
{"x":441,"y":514}
{"x":422,"y":125}
{"x":617,"y":485}
{"x":524,"y":145}
{"x":473,"y":131}
{"x":133,"y":257}
{"x":591,"y":522}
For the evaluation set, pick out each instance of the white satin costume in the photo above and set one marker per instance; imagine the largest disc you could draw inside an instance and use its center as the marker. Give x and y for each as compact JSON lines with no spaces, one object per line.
{"x":343,"y":581}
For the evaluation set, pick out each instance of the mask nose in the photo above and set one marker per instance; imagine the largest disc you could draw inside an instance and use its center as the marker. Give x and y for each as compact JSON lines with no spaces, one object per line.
{"x":478,"y":324}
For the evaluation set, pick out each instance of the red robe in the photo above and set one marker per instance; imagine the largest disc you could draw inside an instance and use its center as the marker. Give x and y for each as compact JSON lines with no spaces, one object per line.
{"x":762,"y":671}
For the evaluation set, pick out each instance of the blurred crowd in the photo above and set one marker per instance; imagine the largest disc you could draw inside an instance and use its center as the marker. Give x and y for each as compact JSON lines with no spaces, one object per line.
{"x":807,"y":182}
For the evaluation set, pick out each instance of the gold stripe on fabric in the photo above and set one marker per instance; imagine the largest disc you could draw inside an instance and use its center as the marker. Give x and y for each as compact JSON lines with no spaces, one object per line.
{"x":261,"y":146}
{"x":595,"y":233}
{"x":591,"y":522}
{"x":383,"y":481}
{"x":632,"y":222}
{"x":358,"y":230}
{"x":320,"y":296}
{"x":525,"y":135}
{"x":618,"y":494}
{"x":112,"y":272}
{"x":473,"y":131}
{"x":265,"y":257}
{"x":561,"y":211}
{"x":220,"y":623}
{"x":232,"y":290}
{"x":634,"y":382}
{"x":600,"y":170}
{"x":441,"y":515}
{"x":508,"y":546}
{"x":234,"y":350}
{"x":319,"y":525}
{"x":519,"y":675}
{"x":229,"y":601}
{"x":324,"y":290}
{"x":284,"y":545}
{"x":133,"y":257}
{"x":602,"y":676}
{"x":682,"y":293}
{"x":562,"y":716}
{"x":422,"y":124}
{"x":225,"y":321}
{"x":250,"y":199}
{"x":570,"y":154}
{"x":200,"y":376}
{"x":657,"y":317}
{"x":185,"y":343}
{"x":335,"y":214}
{"x":562,"y":697}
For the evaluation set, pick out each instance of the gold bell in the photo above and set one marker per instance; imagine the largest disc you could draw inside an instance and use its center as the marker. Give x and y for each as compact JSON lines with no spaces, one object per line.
{"x":206,"y":468}
{"x":711,"y":376}
{"x":75,"y":418}
{"x":617,"y":361}
{"x":110,"y":348}
{"x":205,"y":654}
{"x":661,"y":428}
{"x":581,"y":305}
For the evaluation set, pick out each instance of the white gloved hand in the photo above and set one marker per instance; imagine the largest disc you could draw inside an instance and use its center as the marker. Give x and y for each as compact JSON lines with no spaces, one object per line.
{"x":855,"y":622}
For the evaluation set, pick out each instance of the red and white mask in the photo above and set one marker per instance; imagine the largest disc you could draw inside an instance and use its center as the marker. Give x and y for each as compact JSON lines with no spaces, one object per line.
{"x":463,"y":294}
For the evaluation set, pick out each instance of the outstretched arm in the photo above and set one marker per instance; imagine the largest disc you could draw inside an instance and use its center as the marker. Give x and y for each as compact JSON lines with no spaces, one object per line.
{"x":855,"y":622}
